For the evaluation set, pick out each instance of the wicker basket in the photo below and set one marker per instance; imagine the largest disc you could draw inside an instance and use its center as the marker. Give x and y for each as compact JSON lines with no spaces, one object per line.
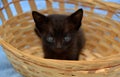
{"x":100,"y":57}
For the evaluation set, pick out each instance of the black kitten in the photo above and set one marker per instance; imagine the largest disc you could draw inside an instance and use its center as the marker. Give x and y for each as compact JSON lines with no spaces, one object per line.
{"x":61,"y":35}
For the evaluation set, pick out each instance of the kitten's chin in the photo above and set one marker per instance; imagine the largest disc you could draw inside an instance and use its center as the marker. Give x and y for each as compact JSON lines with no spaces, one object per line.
{"x":58,"y":50}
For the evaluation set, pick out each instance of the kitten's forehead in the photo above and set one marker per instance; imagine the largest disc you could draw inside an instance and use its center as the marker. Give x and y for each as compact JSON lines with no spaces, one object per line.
{"x":57,"y":23}
{"x":57,"y":17}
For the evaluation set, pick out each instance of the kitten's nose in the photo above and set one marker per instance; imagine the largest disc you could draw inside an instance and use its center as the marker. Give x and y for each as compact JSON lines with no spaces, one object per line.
{"x":59,"y":45}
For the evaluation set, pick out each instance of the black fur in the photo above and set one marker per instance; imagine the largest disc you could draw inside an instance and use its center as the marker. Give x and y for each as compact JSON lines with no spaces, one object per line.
{"x":61,"y":35}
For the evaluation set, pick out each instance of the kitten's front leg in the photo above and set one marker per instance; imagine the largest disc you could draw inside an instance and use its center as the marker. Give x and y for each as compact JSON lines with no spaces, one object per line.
{"x":73,"y":56}
{"x":48,"y":55}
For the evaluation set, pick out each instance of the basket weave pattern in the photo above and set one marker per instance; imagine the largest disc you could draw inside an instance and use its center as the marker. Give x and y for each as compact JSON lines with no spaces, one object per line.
{"x":100,"y":57}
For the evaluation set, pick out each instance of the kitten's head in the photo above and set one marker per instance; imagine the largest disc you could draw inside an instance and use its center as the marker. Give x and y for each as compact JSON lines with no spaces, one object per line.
{"x":58,"y":31}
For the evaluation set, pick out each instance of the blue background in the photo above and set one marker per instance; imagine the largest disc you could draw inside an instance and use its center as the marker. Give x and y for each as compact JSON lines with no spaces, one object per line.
{"x":6,"y":69}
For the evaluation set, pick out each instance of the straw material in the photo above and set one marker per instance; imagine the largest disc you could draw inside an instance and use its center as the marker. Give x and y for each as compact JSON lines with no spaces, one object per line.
{"x":100,"y":57}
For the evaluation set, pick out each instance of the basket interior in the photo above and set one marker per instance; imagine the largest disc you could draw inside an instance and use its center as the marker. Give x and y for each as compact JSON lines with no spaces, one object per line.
{"x":101,"y":37}
{"x":101,"y":32}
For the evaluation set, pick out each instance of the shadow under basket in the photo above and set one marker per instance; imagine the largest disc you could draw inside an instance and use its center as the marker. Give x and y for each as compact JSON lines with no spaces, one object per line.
{"x":99,"y":58}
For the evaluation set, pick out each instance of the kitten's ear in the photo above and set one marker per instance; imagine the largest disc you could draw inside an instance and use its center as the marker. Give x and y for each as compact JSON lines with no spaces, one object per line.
{"x":76,"y":18}
{"x":38,"y":18}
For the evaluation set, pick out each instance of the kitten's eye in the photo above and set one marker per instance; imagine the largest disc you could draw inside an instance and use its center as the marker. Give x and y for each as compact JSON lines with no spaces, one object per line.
{"x":50,"y":39}
{"x":67,"y":38}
